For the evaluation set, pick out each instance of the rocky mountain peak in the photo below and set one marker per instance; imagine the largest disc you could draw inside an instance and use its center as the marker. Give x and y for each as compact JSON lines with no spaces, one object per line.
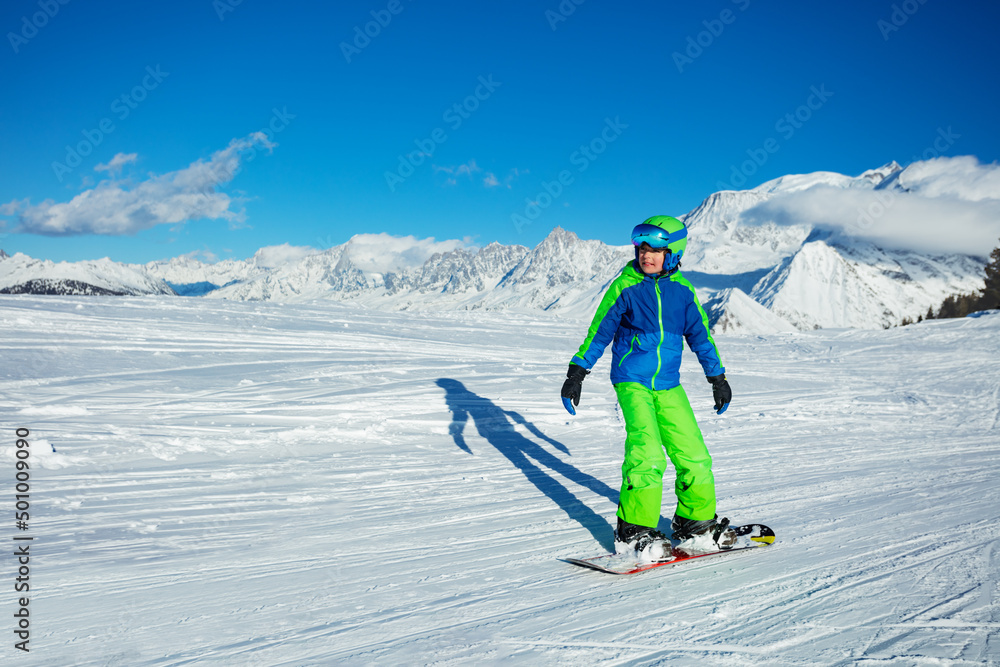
{"x":756,"y":272}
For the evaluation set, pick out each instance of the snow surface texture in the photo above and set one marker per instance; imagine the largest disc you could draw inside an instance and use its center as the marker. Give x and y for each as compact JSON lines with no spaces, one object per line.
{"x":798,"y":252}
{"x":227,"y":483}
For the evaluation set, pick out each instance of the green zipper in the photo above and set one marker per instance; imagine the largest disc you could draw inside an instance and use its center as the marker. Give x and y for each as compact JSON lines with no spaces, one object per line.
{"x":634,"y":343}
{"x":659,"y":308}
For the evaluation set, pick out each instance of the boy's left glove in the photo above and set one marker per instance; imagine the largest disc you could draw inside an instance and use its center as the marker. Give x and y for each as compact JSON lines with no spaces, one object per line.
{"x":573,"y":386}
{"x":722,"y":393}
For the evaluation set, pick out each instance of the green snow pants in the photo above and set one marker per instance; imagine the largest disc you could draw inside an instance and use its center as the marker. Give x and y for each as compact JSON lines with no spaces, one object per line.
{"x":658,"y":422}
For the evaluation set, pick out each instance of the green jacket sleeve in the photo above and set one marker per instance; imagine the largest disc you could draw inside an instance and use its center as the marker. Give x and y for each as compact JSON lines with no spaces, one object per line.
{"x":603,"y":327}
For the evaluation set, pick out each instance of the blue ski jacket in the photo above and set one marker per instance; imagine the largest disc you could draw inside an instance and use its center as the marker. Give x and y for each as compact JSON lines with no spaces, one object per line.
{"x":647,"y":319}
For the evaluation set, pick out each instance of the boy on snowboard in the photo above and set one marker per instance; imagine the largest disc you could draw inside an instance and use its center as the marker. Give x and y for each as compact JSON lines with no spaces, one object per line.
{"x":646,"y":314}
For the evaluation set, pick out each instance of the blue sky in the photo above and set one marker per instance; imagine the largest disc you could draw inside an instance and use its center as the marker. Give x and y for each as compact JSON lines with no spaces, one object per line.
{"x":218,"y":128}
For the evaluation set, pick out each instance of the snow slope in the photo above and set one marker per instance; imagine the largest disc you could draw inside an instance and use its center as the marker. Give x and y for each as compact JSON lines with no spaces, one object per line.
{"x":827,"y":285}
{"x":733,"y":312}
{"x":228,"y":483}
{"x":726,"y":244}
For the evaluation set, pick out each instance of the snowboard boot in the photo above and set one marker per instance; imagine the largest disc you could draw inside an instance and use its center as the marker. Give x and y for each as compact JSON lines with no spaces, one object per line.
{"x":703,"y":535}
{"x":647,"y":544}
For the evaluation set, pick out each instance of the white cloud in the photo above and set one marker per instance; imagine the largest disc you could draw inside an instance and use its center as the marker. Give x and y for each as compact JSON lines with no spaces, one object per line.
{"x":467,"y":169}
{"x":117,"y":162}
{"x":382,"y":253}
{"x":892,"y":219}
{"x":277,"y":255}
{"x":508,"y":182}
{"x":490,"y":179}
{"x":114,"y":208}
{"x":206,"y":256}
{"x":962,"y":177}
{"x":949,"y":205}
{"x":12,"y":207}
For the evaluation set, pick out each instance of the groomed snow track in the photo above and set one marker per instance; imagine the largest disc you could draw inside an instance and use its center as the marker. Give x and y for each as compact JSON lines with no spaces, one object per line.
{"x":219,"y":483}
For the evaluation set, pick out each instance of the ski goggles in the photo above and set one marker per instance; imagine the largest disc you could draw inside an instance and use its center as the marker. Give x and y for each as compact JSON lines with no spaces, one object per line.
{"x":656,"y":237}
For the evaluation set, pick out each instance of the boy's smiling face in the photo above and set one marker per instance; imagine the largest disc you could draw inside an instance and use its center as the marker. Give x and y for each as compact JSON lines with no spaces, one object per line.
{"x":651,"y":259}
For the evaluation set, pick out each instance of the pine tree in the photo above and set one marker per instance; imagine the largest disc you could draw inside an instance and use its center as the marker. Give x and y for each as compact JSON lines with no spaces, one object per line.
{"x":991,"y":293}
{"x":960,"y":305}
{"x":949,"y":308}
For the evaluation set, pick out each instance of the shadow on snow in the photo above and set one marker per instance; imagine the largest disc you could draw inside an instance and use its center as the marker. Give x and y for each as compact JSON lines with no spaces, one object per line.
{"x":496,"y":426}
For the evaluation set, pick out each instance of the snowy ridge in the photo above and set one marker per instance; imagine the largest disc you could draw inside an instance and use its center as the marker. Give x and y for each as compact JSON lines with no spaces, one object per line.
{"x":741,"y":242}
{"x":826,"y":284}
{"x":22,"y":274}
{"x":726,"y":245}
{"x":187,"y":271}
{"x":805,"y":277}
{"x":563,"y":271}
{"x":560,"y":273}
{"x":733,"y":312}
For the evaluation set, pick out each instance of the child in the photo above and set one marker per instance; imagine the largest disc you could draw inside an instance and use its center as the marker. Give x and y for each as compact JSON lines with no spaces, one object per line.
{"x":646,"y":313}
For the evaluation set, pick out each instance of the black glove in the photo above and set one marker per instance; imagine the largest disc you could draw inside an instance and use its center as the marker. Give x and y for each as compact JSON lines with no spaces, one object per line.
{"x":722,"y":392}
{"x":572,"y":386}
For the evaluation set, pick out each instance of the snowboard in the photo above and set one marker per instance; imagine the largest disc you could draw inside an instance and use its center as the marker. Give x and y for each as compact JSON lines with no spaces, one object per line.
{"x":750,"y":536}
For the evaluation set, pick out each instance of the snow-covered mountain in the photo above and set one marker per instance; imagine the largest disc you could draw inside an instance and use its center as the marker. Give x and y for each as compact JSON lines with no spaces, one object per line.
{"x":767,"y":259}
{"x":804,"y":276}
{"x":732,"y":311}
{"x":561,"y":272}
{"x":191,"y":277}
{"x":20,"y":274}
{"x":723,"y":243}
{"x":830,"y":284}
{"x":444,"y":281}
{"x":813,"y":276}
